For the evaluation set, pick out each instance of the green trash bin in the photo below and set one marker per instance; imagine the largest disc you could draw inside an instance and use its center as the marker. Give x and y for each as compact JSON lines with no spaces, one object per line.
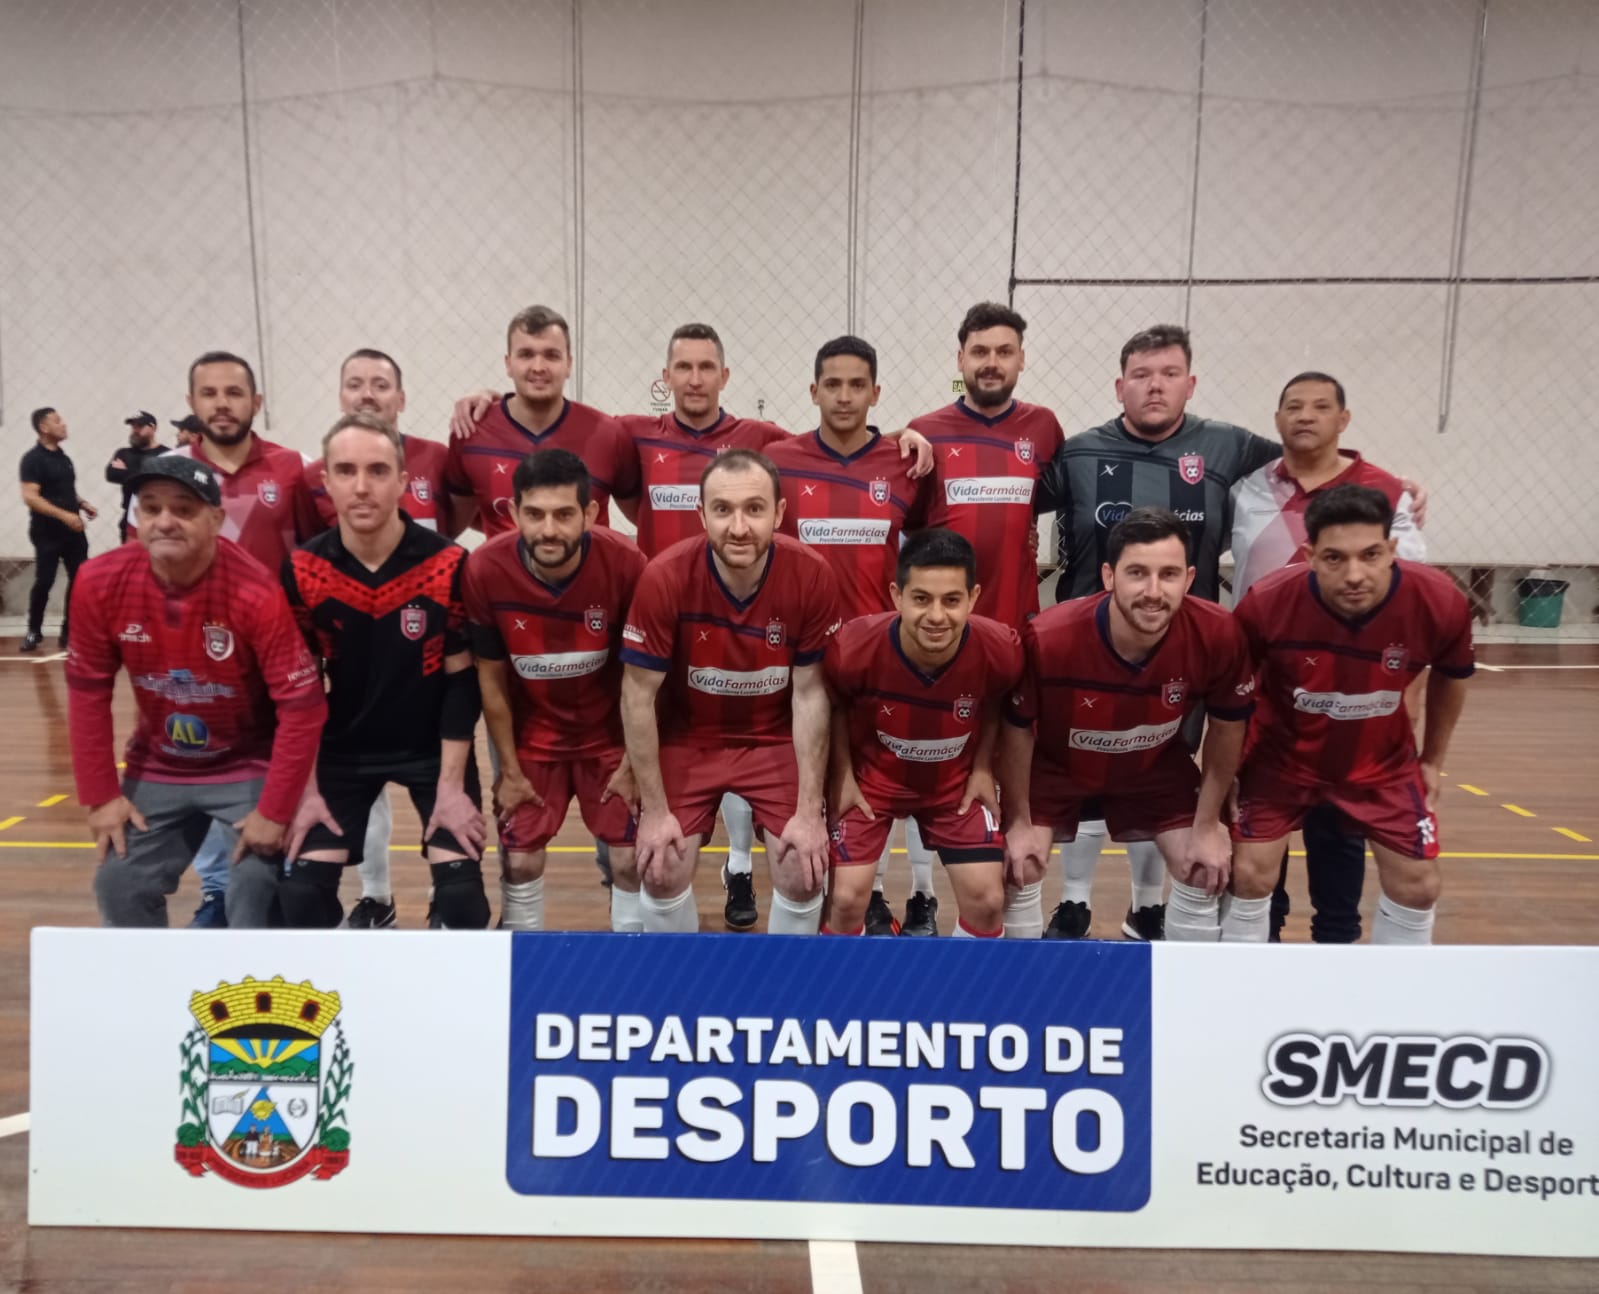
{"x":1540,"y":602}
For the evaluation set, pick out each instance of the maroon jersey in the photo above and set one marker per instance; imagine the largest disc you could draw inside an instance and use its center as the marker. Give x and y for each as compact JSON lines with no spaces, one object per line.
{"x":480,"y":465}
{"x":851,"y":509}
{"x":913,"y":736}
{"x":267,"y":504}
{"x":1332,"y":690}
{"x":562,"y":642}
{"x":224,"y":685}
{"x":1102,"y":719}
{"x":985,"y":473}
{"x":728,"y":663}
{"x":671,"y":458}
{"x":424,"y":488}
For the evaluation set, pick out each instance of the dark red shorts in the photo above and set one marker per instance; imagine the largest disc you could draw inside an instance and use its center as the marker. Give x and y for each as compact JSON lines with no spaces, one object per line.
{"x":1394,"y":814}
{"x":970,"y":837}
{"x":530,"y":827}
{"x":697,"y":777}
{"x":1162,"y":798}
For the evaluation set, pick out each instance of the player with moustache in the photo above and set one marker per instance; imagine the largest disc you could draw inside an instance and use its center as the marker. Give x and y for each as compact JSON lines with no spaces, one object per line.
{"x":728,"y":632}
{"x":545,"y":608}
{"x":378,"y":598}
{"x":1336,"y":646}
{"x":1110,"y":681}
{"x":917,"y":693}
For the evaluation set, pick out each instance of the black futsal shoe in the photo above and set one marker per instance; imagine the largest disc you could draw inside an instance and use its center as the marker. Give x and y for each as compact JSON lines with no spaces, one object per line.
{"x":1071,"y":921}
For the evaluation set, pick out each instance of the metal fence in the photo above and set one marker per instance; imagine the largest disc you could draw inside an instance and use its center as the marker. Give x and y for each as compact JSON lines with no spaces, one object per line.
{"x":1402,"y":195}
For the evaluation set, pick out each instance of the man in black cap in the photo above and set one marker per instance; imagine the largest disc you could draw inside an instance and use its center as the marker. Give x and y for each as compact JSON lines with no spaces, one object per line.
{"x":125,"y":463}
{"x":190,"y":430}
{"x":56,"y":515}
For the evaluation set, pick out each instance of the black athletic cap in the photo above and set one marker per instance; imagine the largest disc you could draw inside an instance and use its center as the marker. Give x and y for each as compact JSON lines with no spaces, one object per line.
{"x":141,"y":419}
{"x":190,"y":422}
{"x":199,"y":477}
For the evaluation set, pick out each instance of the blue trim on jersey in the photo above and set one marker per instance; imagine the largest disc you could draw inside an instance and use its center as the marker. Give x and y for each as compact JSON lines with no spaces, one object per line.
{"x":655,"y":442}
{"x":1456,"y":673}
{"x":703,"y":618}
{"x":851,"y":482}
{"x":632,"y":656}
{"x":1102,"y":623}
{"x":883,"y":694}
{"x":1361,"y":621}
{"x":1009,"y":446}
{"x":535,"y":436}
{"x":744,"y":604}
{"x":922,"y":677}
{"x":1097,"y":685}
{"x":558,"y":588}
{"x":802,"y":658}
{"x":1230,"y":714}
{"x":972,"y":413}
{"x":527,"y":608}
{"x":846,"y":459}
{"x":1015,"y":720}
{"x":721,"y":417}
{"x":1339,"y":649}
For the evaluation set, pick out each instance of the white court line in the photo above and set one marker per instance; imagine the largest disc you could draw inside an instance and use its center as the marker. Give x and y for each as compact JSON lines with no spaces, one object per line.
{"x":45,"y":660}
{"x":16,"y":1123}
{"x":834,"y":1269}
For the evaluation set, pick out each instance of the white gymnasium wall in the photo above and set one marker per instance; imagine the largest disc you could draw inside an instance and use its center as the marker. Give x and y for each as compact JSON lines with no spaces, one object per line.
{"x":416,"y":171}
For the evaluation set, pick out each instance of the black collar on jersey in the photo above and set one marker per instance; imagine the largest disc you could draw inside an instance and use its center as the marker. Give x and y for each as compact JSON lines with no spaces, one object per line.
{"x":832,"y":453}
{"x":926,"y":679}
{"x":743,"y":604}
{"x":535,"y":436}
{"x":721,"y":417}
{"x":1102,"y":623}
{"x":416,"y":544}
{"x":983,"y":418}
{"x":553,"y":586}
{"x":1356,"y":622}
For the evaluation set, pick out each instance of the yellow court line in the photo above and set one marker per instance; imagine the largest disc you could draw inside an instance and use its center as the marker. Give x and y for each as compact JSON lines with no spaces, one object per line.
{"x":1519,"y":811}
{"x":1574,"y":835}
{"x":9,"y":822}
{"x":51,"y":801}
{"x":1475,"y":790}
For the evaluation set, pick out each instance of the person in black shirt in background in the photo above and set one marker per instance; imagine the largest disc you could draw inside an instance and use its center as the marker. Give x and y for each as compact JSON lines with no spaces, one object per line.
{"x":126,"y":463}
{"x":55,"y":526}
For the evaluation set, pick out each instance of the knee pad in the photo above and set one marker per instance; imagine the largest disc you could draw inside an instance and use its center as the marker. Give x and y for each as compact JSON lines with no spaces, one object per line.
{"x":308,"y":894}
{"x":459,"y":902}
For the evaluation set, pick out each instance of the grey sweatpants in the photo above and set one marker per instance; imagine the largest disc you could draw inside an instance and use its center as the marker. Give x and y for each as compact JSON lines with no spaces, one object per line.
{"x":132,"y":889}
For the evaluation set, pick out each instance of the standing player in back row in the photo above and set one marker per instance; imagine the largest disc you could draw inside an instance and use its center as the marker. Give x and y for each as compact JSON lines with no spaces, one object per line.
{"x":1336,"y":645}
{"x":733,"y":626}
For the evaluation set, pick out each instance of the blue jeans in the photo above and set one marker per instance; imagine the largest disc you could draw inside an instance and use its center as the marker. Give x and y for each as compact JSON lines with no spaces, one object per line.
{"x":214,"y":861}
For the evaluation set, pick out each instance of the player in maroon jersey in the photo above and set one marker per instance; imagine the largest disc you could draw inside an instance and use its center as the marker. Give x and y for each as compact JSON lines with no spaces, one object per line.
{"x":916,"y":701}
{"x":546,"y":607}
{"x":230,"y":704}
{"x":1110,"y":680}
{"x":537,"y":415}
{"x":728,"y":632}
{"x":1336,"y":646}
{"x":370,"y":381}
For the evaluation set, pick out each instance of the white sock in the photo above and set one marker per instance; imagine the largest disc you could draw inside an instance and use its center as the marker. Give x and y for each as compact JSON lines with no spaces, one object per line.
{"x":374,"y":868}
{"x":522,"y":904}
{"x":794,"y":916}
{"x":964,"y":931}
{"x":626,"y":916}
{"x":1078,"y":859}
{"x":1396,"y":924}
{"x":1148,"y":871}
{"x":882,"y":863}
{"x":739,"y":819}
{"x":1245,"y":921}
{"x":1024,"y":912}
{"x":670,"y":915}
{"x":921,"y":859}
{"x":1191,"y":916}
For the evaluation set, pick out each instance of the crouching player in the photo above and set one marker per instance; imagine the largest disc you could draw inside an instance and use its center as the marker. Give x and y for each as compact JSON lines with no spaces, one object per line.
{"x":916,"y":700}
{"x":546,"y":603}
{"x":1336,"y":646}
{"x":1108,"y":683}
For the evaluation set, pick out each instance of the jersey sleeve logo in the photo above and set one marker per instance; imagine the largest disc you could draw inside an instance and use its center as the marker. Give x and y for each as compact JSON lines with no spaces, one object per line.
{"x":594,"y":619}
{"x":1394,"y":657}
{"x":879,"y":491}
{"x":1191,"y":467}
{"x":268,"y":493}
{"x":1024,"y":450}
{"x":218,"y":642}
{"x":774,"y":633}
{"x":413,"y":622}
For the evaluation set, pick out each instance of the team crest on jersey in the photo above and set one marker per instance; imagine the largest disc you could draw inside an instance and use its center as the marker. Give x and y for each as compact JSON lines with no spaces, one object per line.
{"x":218,"y":642}
{"x":1174,"y":692}
{"x":1191,"y":467}
{"x":264,"y":1084}
{"x":1394,"y":656}
{"x":421,"y":491}
{"x":268,"y":493}
{"x":594,"y":618}
{"x":965,"y":707}
{"x":774,"y":633}
{"x":879,"y":489}
{"x":1024,"y":450}
{"x":413,"y":622}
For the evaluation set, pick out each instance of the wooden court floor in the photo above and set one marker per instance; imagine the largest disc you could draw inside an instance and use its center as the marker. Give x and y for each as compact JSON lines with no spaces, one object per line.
{"x":1520,"y":828}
